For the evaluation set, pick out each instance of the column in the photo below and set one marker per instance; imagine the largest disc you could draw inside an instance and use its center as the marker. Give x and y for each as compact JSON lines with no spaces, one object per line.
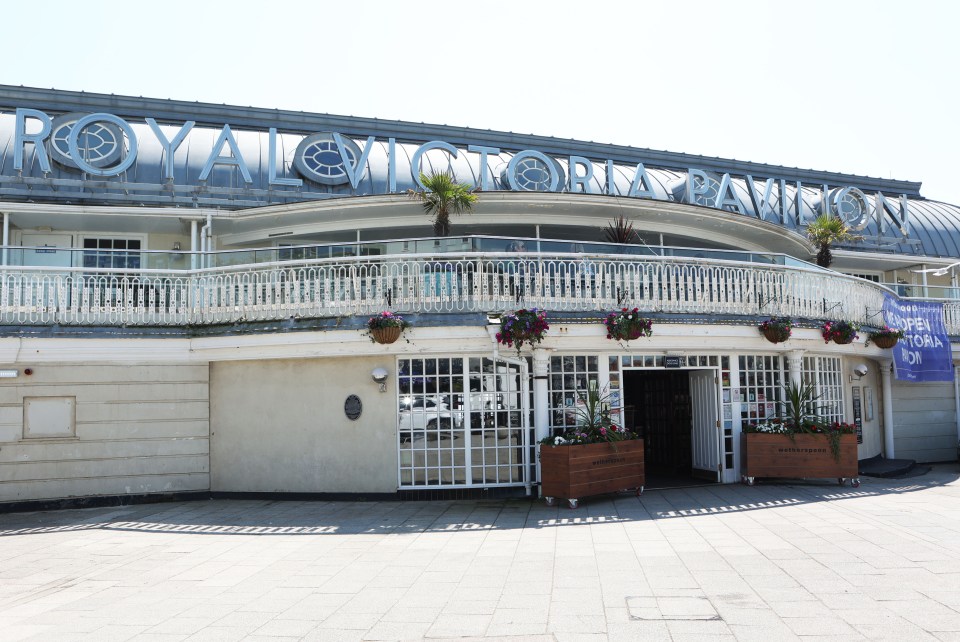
{"x":795,"y":366}
{"x":194,"y":243}
{"x":886,"y":382}
{"x":5,"y":259}
{"x":541,"y":393}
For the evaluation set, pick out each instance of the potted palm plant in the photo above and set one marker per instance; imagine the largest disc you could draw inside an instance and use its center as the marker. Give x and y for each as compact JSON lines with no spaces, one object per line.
{"x":826,"y":230}
{"x":442,"y":196}
{"x":596,"y":456}
{"x":800,"y":444}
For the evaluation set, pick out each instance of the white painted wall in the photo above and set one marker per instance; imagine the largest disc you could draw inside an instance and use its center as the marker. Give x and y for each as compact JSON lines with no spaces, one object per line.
{"x":139,"y":429}
{"x":872,"y":435}
{"x":279,"y":426}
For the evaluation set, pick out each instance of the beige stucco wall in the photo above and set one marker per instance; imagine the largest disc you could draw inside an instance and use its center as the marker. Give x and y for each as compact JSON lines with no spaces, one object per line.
{"x":279,"y":426}
{"x":139,"y":429}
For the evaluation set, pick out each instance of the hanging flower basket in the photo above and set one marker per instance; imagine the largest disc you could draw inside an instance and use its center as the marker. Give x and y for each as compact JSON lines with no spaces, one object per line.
{"x":885,"y":338}
{"x":885,"y":342}
{"x":840,"y":332}
{"x":627,"y":325}
{"x":386,"y":327}
{"x":776,"y":329}
{"x":385,"y":335}
{"x":523,"y":326}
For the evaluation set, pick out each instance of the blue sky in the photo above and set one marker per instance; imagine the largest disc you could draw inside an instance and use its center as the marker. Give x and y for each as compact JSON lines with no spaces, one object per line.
{"x":859,"y":87}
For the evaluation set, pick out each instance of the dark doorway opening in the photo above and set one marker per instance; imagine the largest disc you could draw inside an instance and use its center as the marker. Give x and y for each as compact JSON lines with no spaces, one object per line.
{"x":658,"y":405}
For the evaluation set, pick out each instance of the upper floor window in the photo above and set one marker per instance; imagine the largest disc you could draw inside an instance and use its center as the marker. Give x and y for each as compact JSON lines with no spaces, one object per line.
{"x":111,"y":253}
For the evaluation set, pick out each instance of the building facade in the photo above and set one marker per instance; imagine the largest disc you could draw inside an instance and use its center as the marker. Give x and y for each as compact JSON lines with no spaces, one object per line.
{"x":186,"y":288}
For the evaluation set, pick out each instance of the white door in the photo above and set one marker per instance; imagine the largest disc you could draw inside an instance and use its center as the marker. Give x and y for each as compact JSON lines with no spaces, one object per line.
{"x":705,"y":431}
{"x":499,"y":451}
{"x":464,"y":423}
{"x":48,"y":250}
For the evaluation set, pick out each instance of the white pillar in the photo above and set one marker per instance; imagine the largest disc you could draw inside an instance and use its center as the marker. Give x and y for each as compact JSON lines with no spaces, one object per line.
{"x":541,"y":393}
{"x":5,"y":259}
{"x":886,"y":381}
{"x":194,"y":242}
{"x":795,"y":366}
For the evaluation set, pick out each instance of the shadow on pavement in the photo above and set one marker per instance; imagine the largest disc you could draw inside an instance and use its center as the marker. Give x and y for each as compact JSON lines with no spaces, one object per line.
{"x":290,"y":518}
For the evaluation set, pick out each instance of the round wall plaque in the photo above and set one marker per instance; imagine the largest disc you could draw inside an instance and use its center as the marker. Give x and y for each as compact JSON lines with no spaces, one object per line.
{"x":353,"y":407}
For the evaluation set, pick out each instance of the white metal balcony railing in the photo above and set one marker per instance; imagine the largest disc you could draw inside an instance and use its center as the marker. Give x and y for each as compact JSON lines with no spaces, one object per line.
{"x":472,"y":282}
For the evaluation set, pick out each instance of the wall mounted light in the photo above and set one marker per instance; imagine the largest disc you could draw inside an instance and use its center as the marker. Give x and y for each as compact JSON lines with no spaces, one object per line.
{"x":9,"y":374}
{"x":380,"y":375}
{"x":860,"y":371}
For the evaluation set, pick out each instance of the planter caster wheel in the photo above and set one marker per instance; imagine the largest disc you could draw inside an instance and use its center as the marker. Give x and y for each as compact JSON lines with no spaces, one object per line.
{"x":749,"y":481}
{"x":573,"y":503}
{"x":855,"y":482}
{"x":640,"y":491}
{"x":551,"y":501}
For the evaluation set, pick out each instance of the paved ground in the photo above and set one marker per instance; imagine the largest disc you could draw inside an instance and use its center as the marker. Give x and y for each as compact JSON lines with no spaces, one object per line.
{"x":768,"y":563}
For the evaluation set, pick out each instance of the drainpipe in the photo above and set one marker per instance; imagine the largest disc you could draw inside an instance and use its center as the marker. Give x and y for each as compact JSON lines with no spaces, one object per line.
{"x":886,"y":378}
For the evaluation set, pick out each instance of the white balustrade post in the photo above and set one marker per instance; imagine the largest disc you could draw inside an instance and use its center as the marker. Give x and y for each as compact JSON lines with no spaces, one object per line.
{"x":886,"y":383}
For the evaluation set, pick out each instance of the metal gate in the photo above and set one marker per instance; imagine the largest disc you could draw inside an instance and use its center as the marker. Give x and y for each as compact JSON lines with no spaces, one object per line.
{"x":705,"y":429}
{"x":464,"y":422}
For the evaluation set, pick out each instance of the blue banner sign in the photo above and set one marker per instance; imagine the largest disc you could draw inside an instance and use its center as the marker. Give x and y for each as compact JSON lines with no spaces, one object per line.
{"x":924,"y":352}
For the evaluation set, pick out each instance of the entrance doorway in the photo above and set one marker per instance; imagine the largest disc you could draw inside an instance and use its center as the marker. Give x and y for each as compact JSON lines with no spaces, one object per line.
{"x":676,"y":413}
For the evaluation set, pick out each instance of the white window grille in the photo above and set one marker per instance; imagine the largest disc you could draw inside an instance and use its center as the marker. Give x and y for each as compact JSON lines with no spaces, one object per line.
{"x":825,"y":374}
{"x":463,"y":422}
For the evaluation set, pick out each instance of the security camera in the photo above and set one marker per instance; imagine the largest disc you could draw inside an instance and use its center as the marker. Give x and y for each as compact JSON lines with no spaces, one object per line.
{"x":861,"y":370}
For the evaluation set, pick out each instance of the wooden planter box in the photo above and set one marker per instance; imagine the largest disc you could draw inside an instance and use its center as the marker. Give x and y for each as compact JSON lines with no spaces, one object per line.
{"x":800,"y":457}
{"x":574,"y":472}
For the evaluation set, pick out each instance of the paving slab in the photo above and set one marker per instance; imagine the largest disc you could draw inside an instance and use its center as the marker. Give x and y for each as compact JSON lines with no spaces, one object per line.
{"x":802,"y":560}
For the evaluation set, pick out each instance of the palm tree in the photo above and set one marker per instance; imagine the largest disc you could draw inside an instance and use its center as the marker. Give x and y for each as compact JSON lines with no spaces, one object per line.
{"x":799,"y":404}
{"x":443,"y":195}
{"x":826,"y":230}
{"x":620,"y":230}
